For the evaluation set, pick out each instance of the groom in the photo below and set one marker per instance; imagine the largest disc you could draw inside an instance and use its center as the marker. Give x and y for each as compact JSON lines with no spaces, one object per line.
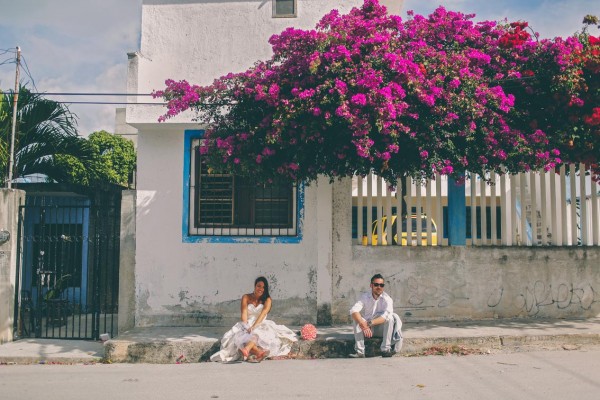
{"x":373,"y":315}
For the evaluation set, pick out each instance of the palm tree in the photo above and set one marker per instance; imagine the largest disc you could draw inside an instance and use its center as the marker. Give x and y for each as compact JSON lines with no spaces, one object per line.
{"x":45,"y":129}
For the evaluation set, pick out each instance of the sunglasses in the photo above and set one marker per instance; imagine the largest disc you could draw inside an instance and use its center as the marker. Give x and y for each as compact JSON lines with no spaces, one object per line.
{"x":378,"y":284}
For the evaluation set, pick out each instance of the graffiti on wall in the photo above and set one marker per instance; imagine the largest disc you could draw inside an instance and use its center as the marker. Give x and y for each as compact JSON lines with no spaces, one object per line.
{"x":534,"y":298}
{"x":531,"y":299}
{"x":425,"y":295}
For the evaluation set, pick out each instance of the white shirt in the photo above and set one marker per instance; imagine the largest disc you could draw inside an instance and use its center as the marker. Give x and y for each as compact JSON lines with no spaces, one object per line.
{"x":371,"y":308}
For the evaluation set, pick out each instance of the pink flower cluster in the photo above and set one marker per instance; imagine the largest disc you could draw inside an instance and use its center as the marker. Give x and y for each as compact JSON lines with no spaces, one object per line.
{"x":367,"y":91}
{"x":308,"y":332}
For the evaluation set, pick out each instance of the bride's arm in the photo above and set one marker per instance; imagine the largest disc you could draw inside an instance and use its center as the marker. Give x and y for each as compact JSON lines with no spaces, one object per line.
{"x":244,"y":309}
{"x":263,"y":314}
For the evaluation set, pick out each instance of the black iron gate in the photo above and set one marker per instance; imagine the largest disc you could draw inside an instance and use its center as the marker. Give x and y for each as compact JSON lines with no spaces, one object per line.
{"x":68,"y":268}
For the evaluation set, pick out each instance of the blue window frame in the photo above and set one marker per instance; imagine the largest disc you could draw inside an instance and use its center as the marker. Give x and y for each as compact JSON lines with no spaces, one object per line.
{"x":224,"y":208}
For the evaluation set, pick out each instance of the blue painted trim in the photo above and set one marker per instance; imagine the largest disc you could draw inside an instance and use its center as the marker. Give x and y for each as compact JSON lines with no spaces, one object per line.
{"x":457,"y":214}
{"x":191,"y":134}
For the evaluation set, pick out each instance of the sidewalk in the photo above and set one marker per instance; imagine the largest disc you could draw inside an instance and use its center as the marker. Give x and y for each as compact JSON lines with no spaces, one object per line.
{"x":171,"y":345}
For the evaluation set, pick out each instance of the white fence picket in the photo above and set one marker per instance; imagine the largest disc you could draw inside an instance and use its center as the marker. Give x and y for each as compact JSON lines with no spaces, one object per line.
{"x":595,"y":214}
{"x":543,"y":207}
{"x":370,"y":209}
{"x":571,"y":206}
{"x":493,"y":211}
{"x":583,"y":217}
{"x":440,"y":211}
{"x":359,"y":211}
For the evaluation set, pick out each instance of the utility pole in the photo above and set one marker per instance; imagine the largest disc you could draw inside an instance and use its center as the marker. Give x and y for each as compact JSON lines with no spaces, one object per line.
{"x":11,"y":161}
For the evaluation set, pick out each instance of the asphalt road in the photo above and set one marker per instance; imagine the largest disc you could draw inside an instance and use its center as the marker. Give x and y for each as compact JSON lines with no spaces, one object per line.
{"x":530,"y":375}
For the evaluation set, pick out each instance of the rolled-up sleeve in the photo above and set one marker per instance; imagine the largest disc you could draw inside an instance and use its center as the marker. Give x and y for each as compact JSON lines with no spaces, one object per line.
{"x":389,"y":308}
{"x":357,"y":307}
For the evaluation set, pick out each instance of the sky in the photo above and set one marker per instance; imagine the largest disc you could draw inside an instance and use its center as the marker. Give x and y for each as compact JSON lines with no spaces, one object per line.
{"x":71,"y":46}
{"x":81,"y":46}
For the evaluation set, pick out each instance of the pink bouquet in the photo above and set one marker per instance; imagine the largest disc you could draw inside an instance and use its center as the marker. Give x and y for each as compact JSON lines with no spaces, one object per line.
{"x":308,"y":332}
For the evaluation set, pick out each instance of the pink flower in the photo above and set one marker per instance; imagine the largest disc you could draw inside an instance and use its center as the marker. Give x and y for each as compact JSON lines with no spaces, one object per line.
{"x":268,"y":152}
{"x":308,"y":332}
{"x":359,"y":99}
{"x":274,"y":91}
{"x":454,"y":83}
{"x":447,"y":170}
{"x":341,"y":87}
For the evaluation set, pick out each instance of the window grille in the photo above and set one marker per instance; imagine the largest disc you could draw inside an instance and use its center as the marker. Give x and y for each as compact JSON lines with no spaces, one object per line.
{"x":229,"y":205}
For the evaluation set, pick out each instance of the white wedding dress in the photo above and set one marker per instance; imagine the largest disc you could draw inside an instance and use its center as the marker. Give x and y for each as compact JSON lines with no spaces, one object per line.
{"x":277,"y":339}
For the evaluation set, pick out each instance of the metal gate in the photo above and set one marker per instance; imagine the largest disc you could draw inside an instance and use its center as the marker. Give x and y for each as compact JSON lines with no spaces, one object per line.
{"x":68,"y":268}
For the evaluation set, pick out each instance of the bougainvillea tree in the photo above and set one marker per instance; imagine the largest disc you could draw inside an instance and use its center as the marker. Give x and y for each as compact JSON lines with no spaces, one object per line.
{"x":558,"y":92}
{"x":369,"y":92}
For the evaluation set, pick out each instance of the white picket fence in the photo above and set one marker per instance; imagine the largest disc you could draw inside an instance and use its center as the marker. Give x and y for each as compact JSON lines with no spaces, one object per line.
{"x":527,"y":209}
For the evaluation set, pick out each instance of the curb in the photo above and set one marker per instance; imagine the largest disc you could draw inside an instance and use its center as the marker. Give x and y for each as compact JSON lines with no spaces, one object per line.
{"x":22,"y":360}
{"x":169,"y":352}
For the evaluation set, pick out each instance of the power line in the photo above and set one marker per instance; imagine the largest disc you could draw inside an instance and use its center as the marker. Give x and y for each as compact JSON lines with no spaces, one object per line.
{"x":11,"y":50}
{"x":87,"y":94}
{"x":96,"y":102}
{"x":91,"y":94}
{"x":106,"y":102}
{"x":26,"y":69}
{"x":10,"y":60}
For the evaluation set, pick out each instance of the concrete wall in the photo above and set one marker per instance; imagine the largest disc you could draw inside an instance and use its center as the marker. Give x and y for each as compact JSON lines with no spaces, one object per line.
{"x":9,"y":210}
{"x":445,"y":283}
{"x":126,"y":319}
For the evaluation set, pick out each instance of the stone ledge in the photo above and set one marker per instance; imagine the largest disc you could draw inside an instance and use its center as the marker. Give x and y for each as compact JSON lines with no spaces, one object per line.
{"x":168,"y":352}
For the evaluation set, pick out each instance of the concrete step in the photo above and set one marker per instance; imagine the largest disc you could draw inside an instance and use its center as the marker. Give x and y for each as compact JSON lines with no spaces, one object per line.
{"x":172,"y":345}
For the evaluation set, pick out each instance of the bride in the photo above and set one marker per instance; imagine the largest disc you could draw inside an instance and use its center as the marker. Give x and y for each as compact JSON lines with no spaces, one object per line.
{"x":255,"y":338}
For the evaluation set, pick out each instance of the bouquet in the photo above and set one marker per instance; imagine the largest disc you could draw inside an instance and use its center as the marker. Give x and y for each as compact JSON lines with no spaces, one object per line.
{"x":308,"y":332}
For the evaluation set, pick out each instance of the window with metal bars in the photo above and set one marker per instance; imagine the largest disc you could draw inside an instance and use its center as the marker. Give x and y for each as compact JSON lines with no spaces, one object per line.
{"x":229,"y":205}
{"x":284,"y":8}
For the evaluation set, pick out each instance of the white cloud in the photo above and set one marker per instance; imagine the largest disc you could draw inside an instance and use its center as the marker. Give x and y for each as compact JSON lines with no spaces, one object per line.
{"x":72,"y":46}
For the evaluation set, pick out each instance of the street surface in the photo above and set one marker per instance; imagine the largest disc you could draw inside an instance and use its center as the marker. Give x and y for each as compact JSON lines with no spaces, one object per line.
{"x":530,"y":375}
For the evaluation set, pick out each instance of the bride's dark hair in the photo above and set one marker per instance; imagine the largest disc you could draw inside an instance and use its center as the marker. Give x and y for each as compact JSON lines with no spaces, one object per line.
{"x":266,"y":294}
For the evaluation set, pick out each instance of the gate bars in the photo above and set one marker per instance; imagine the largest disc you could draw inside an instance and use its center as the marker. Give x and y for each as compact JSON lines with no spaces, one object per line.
{"x":68,"y":257}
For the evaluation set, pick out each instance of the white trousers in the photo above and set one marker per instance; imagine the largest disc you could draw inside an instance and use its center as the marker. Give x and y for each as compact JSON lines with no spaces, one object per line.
{"x":384,"y":331}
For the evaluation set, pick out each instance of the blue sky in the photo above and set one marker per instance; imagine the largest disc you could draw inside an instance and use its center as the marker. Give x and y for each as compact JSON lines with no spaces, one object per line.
{"x":82,"y":45}
{"x":549,"y":18}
